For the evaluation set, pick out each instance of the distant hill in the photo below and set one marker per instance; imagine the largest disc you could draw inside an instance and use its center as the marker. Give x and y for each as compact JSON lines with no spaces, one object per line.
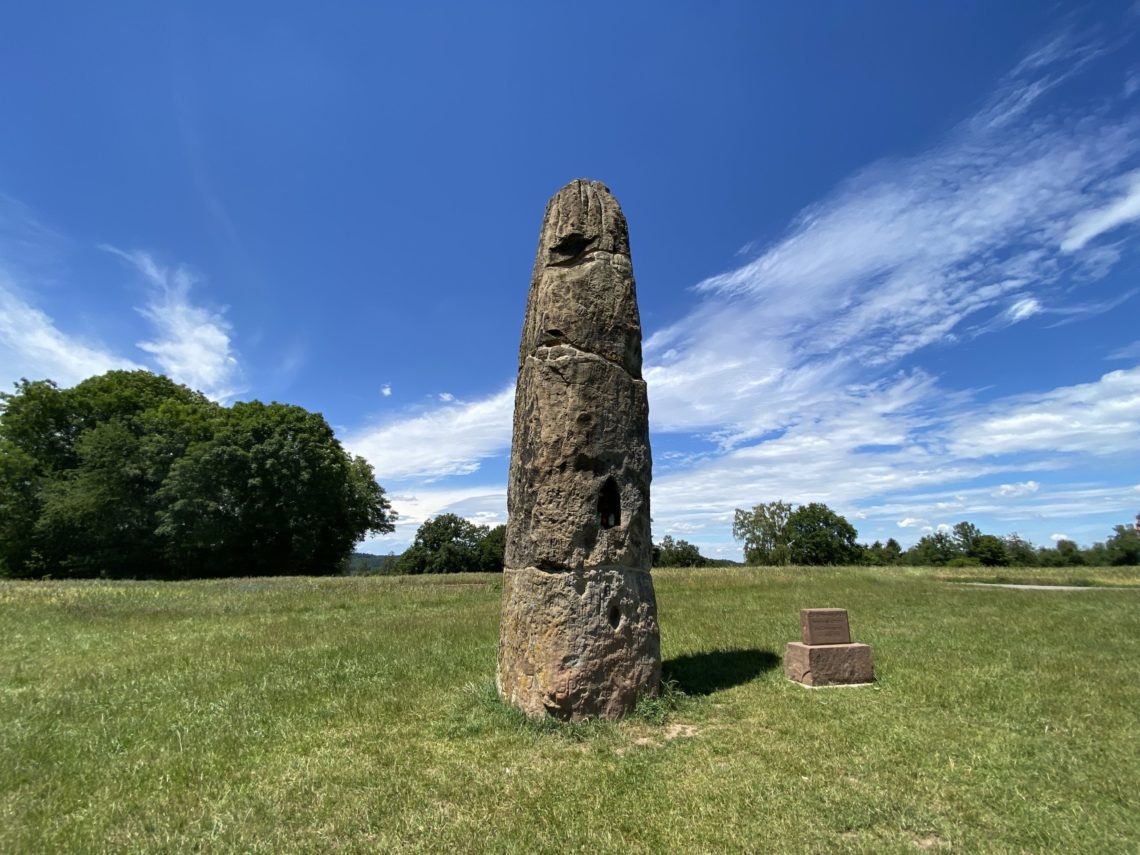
{"x":367,"y":564}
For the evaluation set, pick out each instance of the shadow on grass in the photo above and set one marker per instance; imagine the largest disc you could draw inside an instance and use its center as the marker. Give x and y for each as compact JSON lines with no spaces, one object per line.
{"x":705,"y":673}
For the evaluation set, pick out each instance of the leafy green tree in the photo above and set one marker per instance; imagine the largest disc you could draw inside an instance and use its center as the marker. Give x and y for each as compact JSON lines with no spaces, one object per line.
{"x":39,"y":420}
{"x":892,"y":551}
{"x":21,"y":478}
{"x":271,"y":492}
{"x":1065,"y":554}
{"x":1020,"y":551}
{"x":446,"y":544}
{"x":933,"y":550}
{"x":965,"y":535}
{"x":491,"y":550}
{"x":37,"y":431}
{"x":989,"y":550}
{"x":99,"y":514}
{"x":1070,"y":553}
{"x":764,"y":532}
{"x":1097,"y":555}
{"x":93,"y":461}
{"x":816,"y":534}
{"x":881,"y":554}
{"x":677,"y":553}
{"x":1123,"y":547}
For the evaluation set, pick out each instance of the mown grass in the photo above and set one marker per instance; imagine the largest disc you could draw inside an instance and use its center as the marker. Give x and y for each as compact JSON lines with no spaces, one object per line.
{"x":357,"y":714}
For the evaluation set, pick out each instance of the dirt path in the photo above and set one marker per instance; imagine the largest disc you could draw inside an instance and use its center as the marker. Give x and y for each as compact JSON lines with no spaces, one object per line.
{"x":1045,"y":587}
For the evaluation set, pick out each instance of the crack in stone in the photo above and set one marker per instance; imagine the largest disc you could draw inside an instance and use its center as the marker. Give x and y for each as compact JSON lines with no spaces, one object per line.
{"x":543,"y":353}
{"x":589,"y":255}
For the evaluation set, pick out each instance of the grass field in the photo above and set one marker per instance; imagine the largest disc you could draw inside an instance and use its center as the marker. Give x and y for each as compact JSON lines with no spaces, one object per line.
{"x":358,"y":714}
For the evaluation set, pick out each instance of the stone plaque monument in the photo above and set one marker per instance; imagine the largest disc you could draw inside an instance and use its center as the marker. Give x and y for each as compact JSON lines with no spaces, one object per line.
{"x":579,"y":636}
{"x":824,"y":626}
{"x":825,"y":655}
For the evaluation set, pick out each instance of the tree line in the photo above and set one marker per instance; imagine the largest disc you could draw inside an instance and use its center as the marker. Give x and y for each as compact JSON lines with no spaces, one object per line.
{"x":780,"y":533}
{"x":451,"y":544}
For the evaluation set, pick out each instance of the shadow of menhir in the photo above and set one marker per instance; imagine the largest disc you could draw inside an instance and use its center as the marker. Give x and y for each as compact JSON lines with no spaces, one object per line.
{"x":705,"y":673}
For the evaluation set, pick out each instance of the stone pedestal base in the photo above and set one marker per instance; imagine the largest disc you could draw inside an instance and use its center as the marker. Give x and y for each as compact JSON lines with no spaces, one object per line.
{"x":578,"y":644}
{"x":828,"y":664}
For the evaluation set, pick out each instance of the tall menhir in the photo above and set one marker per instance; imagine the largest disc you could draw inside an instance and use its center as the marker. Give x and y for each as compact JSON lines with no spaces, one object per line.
{"x":579,"y":636}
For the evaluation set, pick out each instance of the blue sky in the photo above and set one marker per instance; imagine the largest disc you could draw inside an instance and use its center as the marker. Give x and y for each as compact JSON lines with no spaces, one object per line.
{"x":886,"y":253}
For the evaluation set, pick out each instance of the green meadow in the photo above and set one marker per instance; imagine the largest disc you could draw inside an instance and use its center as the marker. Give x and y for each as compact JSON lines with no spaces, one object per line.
{"x":359,"y":715}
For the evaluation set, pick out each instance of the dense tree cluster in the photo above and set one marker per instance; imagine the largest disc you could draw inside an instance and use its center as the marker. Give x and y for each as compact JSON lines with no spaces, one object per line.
{"x":451,"y":544}
{"x":131,"y":475}
{"x":678,"y":553}
{"x":777,"y":533}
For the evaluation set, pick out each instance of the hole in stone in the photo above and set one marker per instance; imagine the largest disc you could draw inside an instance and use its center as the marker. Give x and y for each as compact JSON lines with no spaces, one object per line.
{"x":615,"y":616}
{"x":572,"y":245}
{"x":609,"y":505}
{"x":553,"y":336}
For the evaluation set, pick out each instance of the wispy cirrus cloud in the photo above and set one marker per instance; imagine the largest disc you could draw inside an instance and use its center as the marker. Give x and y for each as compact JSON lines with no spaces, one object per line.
{"x":1120,"y":210}
{"x":791,"y":362}
{"x":897,"y":260}
{"x":1129,"y":351}
{"x":191,"y":344}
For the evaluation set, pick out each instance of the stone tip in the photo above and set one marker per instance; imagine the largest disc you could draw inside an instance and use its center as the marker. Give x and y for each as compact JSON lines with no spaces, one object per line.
{"x":584,"y":215}
{"x":587,"y":183}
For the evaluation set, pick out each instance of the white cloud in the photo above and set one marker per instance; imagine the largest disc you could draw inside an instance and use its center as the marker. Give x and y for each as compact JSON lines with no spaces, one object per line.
{"x":1055,"y":537}
{"x":1022,"y":309}
{"x":910,"y":522}
{"x":386,"y":390}
{"x":32,"y":346}
{"x":192,"y":343}
{"x":1087,"y":225}
{"x":446,"y":397}
{"x":1102,"y":418}
{"x":1007,"y":491}
{"x":484,"y":505}
{"x":1132,"y":84}
{"x":1060,"y":503}
{"x":1129,"y":351}
{"x":448,"y":440}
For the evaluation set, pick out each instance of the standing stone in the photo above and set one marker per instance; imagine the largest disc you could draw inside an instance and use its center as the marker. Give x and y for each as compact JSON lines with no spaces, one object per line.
{"x":579,"y":636}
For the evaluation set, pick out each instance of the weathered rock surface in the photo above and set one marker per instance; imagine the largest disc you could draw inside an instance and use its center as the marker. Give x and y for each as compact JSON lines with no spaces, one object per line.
{"x":828,"y":664}
{"x":579,"y":635}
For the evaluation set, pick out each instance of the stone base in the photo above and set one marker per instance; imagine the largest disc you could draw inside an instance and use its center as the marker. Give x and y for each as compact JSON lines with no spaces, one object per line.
{"x":578,"y":644}
{"x":828,"y":664}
